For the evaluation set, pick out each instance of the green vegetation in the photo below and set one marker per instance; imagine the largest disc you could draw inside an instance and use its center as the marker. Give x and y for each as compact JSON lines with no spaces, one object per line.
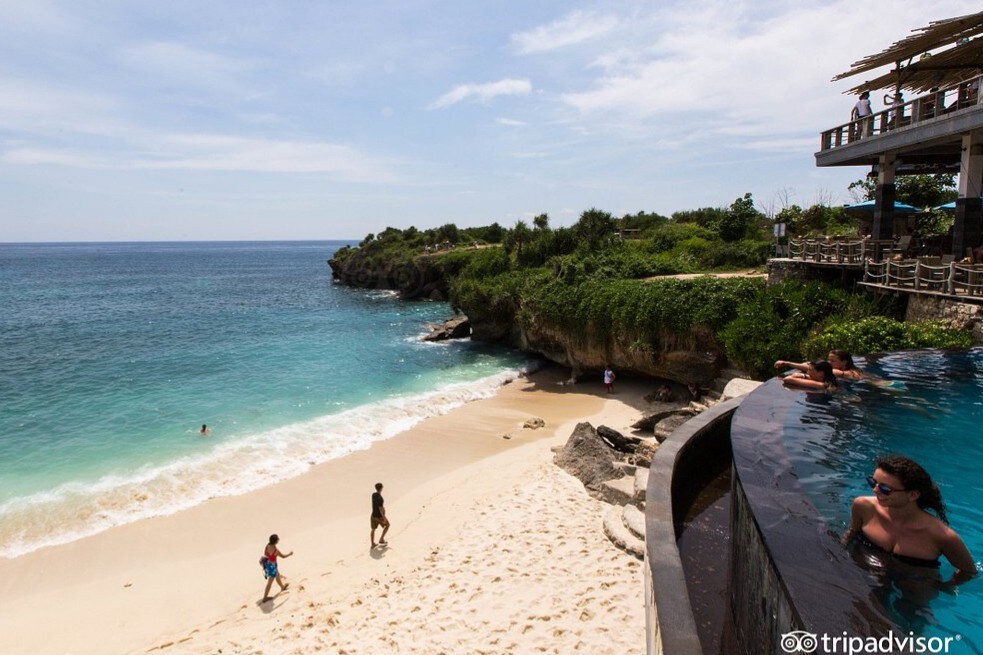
{"x":591,"y":283}
{"x":880,"y":334}
{"x":772,"y":325}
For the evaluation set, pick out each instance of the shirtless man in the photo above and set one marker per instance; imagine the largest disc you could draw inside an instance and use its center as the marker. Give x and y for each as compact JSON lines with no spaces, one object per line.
{"x":378,"y":516}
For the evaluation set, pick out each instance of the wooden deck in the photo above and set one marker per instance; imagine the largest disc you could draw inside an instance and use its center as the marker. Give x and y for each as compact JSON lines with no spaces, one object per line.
{"x":887,"y":268}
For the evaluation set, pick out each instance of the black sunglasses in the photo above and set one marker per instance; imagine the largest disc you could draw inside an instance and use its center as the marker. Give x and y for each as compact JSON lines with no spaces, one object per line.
{"x":880,"y":487}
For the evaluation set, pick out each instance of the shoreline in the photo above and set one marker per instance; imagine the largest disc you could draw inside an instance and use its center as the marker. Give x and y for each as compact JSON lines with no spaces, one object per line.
{"x":74,"y":510}
{"x":142,"y":585}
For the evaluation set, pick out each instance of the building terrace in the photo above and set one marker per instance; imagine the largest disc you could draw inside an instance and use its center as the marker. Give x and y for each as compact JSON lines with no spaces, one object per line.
{"x":940,"y":130}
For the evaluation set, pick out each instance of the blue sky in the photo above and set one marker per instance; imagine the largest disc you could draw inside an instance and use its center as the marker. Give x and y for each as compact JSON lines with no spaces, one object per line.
{"x":326,"y":119}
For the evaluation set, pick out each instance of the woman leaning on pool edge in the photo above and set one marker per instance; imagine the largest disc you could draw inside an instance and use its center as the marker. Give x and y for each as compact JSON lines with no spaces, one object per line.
{"x":895,"y":521}
{"x":817,"y":376}
{"x":840,"y":360}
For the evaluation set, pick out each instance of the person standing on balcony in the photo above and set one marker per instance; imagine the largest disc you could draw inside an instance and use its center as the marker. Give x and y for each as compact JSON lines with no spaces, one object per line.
{"x":896,"y":103}
{"x":861,"y":112}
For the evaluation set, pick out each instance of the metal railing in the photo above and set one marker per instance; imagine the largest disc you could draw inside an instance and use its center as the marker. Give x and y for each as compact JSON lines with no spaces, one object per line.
{"x":923,"y":108}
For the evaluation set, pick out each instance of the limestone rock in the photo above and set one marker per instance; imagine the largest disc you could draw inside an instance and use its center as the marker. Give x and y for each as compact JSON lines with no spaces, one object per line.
{"x":617,"y":440}
{"x":646,"y":451}
{"x":648,"y":423}
{"x":588,"y":458}
{"x":534,"y":423}
{"x":456,"y":328}
{"x":668,"y":425}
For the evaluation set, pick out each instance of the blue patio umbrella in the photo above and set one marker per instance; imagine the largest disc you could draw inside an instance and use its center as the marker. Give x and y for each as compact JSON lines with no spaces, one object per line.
{"x":867,"y":208}
{"x":949,"y":206}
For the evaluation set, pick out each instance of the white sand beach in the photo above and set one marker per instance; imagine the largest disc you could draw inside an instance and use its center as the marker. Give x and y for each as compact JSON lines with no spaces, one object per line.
{"x":493,"y":549}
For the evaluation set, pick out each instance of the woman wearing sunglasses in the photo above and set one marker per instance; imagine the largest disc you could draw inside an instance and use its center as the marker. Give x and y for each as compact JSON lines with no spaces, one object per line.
{"x":895,"y":521}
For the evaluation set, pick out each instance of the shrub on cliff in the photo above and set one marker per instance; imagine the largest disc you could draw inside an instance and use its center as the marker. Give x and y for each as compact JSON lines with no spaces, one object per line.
{"x":882,"y":334}
{"x":605,"y":309}
{"x":773,"y":324}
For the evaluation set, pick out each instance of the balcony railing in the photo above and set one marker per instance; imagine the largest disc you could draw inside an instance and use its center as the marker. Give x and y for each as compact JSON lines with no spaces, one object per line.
{"x":953,"y":279}
{"x":833,"y":250}
{"x":923,"y":108}
{"x":885,"y":264}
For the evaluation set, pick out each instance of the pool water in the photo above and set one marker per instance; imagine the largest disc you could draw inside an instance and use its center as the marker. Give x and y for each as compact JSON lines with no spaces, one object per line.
{"x":933,"y":413}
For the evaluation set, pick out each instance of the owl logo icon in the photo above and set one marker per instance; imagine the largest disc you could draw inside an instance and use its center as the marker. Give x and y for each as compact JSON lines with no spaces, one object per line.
{"x":799,"y":641}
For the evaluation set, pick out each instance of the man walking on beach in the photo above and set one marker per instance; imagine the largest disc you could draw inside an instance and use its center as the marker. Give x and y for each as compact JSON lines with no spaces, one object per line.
{"x":379,"y":516}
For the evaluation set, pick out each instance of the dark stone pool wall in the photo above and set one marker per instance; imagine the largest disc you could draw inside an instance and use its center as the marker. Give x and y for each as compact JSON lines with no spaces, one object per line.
{"x":788,"y":571}
{"x":675,"y":477}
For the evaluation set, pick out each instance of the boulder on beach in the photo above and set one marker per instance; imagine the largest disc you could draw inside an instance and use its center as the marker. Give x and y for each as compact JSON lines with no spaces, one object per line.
{"x":586,"y":457}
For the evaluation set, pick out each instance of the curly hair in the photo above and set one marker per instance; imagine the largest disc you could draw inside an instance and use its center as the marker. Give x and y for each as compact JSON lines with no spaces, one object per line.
{"x":915,"y":478}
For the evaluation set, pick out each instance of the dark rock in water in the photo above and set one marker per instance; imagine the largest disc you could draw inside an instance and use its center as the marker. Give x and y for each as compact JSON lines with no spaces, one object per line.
{"x":458,"y":327}
{"x":588,"y":458}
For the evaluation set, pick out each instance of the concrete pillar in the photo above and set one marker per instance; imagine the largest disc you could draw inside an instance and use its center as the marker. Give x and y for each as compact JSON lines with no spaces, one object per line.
{"x":966,"y":230}
{"x":884,"y":195}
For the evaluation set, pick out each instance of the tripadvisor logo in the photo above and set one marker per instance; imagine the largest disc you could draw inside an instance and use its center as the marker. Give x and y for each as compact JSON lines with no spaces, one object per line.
{"x":800,"y":641}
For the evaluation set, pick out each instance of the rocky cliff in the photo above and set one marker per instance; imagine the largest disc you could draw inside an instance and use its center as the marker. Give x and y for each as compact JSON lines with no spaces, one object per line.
{"x":414,"y":279}
{"x":694,"y":357}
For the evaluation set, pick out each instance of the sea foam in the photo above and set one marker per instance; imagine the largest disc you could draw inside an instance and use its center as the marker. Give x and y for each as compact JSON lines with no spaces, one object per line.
{"x":78,"y":509}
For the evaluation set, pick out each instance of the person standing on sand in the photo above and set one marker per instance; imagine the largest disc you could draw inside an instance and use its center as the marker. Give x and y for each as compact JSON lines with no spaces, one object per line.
{"x":609,"y":377}
{"x":378,"y":516}
{"x":270,"y":555}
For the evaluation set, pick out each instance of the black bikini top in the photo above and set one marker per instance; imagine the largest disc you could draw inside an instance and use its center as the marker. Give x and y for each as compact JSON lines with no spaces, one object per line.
{"x":906,"y":559}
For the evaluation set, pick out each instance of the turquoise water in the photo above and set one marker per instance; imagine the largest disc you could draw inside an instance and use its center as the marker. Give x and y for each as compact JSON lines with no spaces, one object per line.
{"x":112,"y":356}
{"x":935,"y":417}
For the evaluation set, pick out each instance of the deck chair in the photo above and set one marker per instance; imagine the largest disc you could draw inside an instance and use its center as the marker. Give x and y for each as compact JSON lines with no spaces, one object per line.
{"x":902,"y":246}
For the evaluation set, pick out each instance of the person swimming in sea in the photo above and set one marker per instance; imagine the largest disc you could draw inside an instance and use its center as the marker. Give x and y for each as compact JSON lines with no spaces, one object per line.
{"x":896,"y":522}
{"x":204,"y":430}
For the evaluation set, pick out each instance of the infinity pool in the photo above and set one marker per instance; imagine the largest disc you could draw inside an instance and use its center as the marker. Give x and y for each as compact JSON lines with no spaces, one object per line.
{"x":933,"y":413}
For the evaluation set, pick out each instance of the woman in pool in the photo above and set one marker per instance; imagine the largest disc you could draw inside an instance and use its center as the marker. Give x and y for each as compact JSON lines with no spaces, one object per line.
{"x":840,"y":360}
{"x":843,"y":366}
{"x":894,"y":521}
{"x":817,"y":376}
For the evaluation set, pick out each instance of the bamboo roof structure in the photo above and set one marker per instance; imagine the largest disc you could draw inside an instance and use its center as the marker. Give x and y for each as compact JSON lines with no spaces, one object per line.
{"x":918,"y":70}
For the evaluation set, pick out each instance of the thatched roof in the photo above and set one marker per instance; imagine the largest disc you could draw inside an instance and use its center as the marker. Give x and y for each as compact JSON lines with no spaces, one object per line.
{"x":916,"y":68}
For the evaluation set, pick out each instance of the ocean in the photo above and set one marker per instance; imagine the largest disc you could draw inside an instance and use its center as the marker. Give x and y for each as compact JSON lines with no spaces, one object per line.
{"x":113,"y":355}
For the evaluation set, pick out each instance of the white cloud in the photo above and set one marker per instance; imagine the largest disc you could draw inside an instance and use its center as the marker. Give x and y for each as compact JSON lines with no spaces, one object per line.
{"x":576,"y":27}
{"x":482,"y":92}
{"x":209,"y":152}
{"x":34,"y":106}
{"x":510,"y":122}
{"x":719,"y":69}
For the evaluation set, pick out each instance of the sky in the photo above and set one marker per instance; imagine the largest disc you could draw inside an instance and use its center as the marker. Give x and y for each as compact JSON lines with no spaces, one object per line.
{"x":323,"y":119}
